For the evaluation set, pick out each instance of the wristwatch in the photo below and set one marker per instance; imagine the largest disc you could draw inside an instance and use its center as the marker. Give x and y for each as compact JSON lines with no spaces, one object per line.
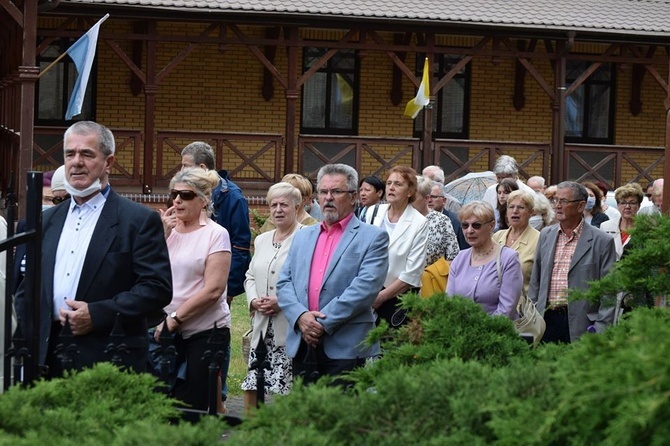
{"x":173,"y":315}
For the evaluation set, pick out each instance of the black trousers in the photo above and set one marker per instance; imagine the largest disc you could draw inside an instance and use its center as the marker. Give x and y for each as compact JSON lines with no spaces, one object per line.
{"x":195,"y":390}
{"x":310,"y":364}
{"x":558,"y":328}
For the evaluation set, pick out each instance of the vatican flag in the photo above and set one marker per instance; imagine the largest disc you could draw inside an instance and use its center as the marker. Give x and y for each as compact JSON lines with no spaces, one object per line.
{"x":422,"y":98}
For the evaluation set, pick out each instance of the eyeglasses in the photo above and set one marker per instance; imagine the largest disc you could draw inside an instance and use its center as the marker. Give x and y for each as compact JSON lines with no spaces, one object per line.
{"x":625,"y":204}
{"x":186,"y":195}
{"x":562,"y":201}
{"x":59,"y":200}
{"x":435,"y":197}
{"x":476,"y":225}
{"x":515,"y":207}
{"x":334,"y":192}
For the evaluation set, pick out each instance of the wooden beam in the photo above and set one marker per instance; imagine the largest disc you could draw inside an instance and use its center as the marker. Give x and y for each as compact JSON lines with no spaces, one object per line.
{"x":259,"y":55}
{"x":457,"y":68}
{"x":589,"y":71}
{"x":14,"y":12}
{"x":129,"y":63}
{"x":323,"y":59}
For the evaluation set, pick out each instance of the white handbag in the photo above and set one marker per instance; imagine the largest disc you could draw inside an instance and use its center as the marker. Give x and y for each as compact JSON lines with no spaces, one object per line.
{"x":530,"y":323}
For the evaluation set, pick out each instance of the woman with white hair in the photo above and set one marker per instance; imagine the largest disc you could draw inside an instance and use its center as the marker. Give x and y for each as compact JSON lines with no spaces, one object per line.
{"x":543,"y":213}
{"x":269,"y":323}
{"x":442,"y":240}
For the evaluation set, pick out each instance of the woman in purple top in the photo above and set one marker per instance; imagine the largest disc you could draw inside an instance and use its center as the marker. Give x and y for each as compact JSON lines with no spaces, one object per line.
{"x":474,"y":271}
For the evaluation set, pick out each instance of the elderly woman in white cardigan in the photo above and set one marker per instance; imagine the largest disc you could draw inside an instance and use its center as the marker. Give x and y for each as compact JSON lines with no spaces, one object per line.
{"x":270,"y":251}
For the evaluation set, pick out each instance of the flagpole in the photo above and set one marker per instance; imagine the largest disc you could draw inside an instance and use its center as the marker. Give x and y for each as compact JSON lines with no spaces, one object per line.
{"x":51,"y":65}
{"x":59,"y":58}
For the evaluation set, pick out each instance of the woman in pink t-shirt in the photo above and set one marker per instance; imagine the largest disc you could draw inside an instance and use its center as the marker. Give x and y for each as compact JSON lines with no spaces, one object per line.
{"x":200,"y":254}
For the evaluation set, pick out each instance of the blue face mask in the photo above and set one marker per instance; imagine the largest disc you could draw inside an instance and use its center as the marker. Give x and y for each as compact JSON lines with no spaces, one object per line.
{"x":590,"y":202}
{"x":46,"y":206}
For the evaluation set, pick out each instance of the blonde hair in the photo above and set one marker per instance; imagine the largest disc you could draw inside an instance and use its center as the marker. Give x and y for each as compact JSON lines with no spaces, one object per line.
{"x":299,"y":182}
{"x":201,"y":181}
{"x":479,"y":209}
{"x":526,"y":198}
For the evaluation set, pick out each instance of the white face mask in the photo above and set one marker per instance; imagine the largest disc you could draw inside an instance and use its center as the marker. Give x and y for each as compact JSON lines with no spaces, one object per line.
{"x":90,"y":190}
{"x":46,"y":206}
{"x":590,"y":202}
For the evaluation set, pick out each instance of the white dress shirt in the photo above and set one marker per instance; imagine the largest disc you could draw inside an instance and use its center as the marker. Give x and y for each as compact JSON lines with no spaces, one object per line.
{"x":72,"y":248}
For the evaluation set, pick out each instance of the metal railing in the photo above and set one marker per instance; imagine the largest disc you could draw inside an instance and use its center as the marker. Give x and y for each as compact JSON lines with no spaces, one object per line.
{"x":22,"y":346}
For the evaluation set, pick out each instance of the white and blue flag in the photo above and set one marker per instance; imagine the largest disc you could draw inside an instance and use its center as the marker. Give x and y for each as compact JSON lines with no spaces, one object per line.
{"x":82,"y":53}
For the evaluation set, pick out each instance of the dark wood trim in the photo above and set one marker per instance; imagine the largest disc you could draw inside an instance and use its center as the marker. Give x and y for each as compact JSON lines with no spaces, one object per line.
{"x":268,"y":88}
{"x":150,"y":90}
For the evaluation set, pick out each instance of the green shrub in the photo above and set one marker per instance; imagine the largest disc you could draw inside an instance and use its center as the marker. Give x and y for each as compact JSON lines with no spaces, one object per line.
{"x":609,"y":389}
{"x":97,"y":406}
{"x":442,"y":328}
{"x":642,"y":271}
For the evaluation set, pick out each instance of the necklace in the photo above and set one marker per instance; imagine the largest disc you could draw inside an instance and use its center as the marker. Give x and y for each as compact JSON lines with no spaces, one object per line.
{"x":277,"y":239}
{"x":480,"y":256}
{"x":511,"y":239}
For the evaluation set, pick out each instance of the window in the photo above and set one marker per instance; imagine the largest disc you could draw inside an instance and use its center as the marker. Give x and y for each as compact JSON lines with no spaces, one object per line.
{"x":54,"y":88}
{"x":589,"y":110}
{"x":330,"y":96}
{"x":450,"y":116}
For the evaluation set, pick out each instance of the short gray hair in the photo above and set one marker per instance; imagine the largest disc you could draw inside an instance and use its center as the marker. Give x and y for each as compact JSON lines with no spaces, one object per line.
{"x":424,"y":185}
{"x":201,"y":152}
{"x":339,"y":169}
{"x":106,"y":142}
{"x":284,"y":189}
{"x":506,"y":165}
{"x":437,"y":173}
{"x":579,"y":191}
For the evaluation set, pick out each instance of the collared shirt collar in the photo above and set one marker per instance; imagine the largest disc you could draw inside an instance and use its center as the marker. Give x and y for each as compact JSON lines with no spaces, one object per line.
{"x":342,"y":223}
{"x":575,"y":232}
{"x":94,"y":203}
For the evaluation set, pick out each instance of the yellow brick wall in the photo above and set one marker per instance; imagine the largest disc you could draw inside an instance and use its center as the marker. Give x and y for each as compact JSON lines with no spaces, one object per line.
{"x":219,"y":90}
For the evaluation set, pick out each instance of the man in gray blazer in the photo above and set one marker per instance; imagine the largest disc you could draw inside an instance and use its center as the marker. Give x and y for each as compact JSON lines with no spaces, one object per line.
{"x":330,"y":280}
{"x":570,"y":254}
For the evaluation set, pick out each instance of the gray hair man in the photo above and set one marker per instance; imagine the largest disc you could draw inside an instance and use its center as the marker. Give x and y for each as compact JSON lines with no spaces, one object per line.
{"x":436,"y":201}
{"x":104,"y":261}
{"x":537,"y":183}
{"x":331,"y":278}
{"x":435,"y":173}
{"x":569,"y":255}
{"x":506,"y":167}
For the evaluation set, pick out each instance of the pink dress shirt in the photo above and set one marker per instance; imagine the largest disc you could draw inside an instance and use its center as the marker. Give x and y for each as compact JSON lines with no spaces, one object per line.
{"x":326,"y":245}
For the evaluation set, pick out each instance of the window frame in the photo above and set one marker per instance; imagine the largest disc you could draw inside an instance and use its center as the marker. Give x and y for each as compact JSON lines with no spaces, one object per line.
{"x":588,"y":84}
{"x":331,"y":71}
{"x":445,"y":62}
{"x":67,"y":66}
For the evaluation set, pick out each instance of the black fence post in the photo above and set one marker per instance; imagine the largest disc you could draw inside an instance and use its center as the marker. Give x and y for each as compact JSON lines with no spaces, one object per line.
{"x":117,"y":347}
{"x":7,"y":349}
{"x":27,"y":344}
{"x":260,"y":364}
{"x":215,"y":355}
{"x":168,"y":361}
{"x":67,"y":350}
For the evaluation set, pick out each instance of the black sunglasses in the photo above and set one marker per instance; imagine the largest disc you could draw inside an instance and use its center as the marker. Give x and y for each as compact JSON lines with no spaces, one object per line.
{"x":59,"y":200}
{"x":476,"y":225}
{"x":186,"y":195}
